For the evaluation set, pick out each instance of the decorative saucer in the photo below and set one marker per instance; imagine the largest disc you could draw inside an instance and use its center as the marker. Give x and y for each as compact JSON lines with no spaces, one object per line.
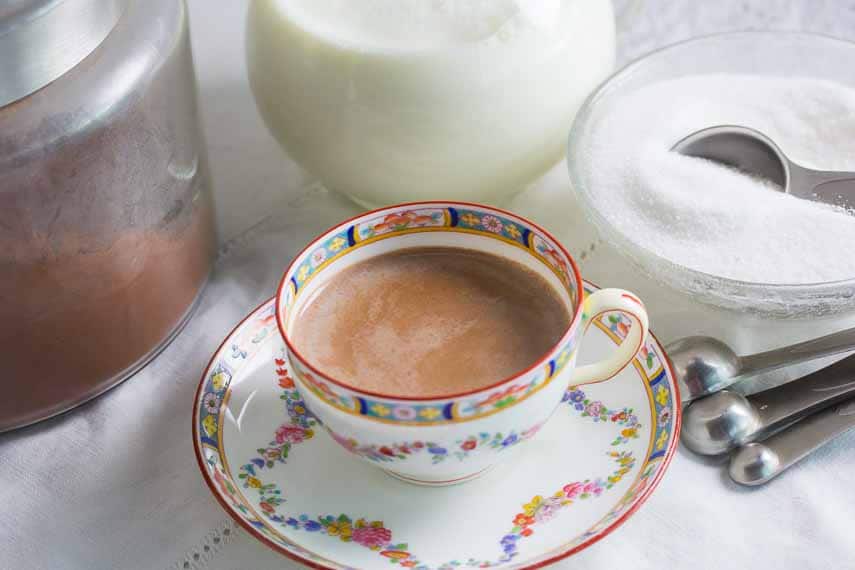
{"x":275,"y":469}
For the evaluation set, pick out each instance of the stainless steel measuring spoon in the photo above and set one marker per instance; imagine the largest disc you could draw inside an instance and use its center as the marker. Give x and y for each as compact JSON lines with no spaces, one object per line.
{"x":725,"y":420}
{"x":704,"y":365}
{"x":756,"y":154}
{"x":757,"y":463}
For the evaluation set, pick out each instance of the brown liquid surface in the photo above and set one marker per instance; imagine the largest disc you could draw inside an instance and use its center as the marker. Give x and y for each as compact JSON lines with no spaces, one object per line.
{"x":430,"y":321}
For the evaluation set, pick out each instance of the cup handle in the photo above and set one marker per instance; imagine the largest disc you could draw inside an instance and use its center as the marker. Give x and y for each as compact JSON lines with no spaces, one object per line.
{"x":604,"y":301}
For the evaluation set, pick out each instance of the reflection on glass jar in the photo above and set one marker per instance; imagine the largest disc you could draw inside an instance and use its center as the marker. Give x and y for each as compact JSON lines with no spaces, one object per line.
{"x":106,"y":232}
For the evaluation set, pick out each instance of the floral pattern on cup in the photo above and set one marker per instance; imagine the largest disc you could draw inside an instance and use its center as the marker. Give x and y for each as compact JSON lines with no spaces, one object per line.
{"x":301,"y":427}
{"x":552,"y":256}
{"x":461,"y":449}
{"x":434,"y":412}
{"x":323,"y":390}
{"x":422,"y":218}
{"x":494,"y":224}
{"x":400,"y":221}
{"x":618,"y":324}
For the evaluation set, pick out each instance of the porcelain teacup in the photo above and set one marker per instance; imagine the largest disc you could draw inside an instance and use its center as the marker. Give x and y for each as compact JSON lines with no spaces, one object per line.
{"x":455,"y":437}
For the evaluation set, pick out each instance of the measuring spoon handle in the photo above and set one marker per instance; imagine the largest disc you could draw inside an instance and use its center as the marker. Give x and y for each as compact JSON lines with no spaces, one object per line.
{"x":828,"y":186}
{"x":757,"y":463}
{"x":834,"y":343}
{"x":788,"y":402}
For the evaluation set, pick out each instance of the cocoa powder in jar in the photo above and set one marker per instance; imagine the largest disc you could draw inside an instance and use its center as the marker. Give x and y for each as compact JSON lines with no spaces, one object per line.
{"x":106,"y":231}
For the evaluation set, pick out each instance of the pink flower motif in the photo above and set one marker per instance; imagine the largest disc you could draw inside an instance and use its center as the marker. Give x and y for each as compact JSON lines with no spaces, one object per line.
{"x":492,"y":224}
{"x":401,"y":220}
{"x":211,"y":403}
{"x":404,"y":412}
{"x":318,"y":256}
{"x":290,"y":433}
{"x":592,"y":488}
{"x":594,"y":408}
{"x":371,"y":536}
{"x":572,"y":490}
{"x":664,"y":416}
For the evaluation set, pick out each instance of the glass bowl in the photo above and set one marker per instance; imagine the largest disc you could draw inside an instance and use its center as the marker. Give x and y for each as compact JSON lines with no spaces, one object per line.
{"x":760,"y":53}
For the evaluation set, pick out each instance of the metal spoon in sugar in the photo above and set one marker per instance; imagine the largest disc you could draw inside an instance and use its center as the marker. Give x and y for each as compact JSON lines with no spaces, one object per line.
{"x":757,"y":155}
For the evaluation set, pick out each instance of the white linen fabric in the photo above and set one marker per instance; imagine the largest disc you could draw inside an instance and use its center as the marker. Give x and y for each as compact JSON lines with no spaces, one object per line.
{"x":114,"y":484}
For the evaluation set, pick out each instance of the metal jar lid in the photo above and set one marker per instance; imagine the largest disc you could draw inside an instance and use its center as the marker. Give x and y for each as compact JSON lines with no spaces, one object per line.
{"x":40,"y":40}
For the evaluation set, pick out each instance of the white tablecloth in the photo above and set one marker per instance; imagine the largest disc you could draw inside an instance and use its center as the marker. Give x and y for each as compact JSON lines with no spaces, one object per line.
{"x":114,"y":484}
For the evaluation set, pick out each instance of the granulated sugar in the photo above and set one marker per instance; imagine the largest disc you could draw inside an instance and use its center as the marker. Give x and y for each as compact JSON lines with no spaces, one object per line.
{"x":712,"y":218}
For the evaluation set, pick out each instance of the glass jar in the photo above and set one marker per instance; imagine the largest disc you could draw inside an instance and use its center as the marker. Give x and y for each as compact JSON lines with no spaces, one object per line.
{"x":392,"y":102}
{"x":106,"y":227}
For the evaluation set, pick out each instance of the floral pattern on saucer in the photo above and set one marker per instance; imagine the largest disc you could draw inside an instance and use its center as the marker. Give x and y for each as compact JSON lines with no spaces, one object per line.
{"x":374,"y":534}
{"x":251,"y":495}
{"x":539,"y":510}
